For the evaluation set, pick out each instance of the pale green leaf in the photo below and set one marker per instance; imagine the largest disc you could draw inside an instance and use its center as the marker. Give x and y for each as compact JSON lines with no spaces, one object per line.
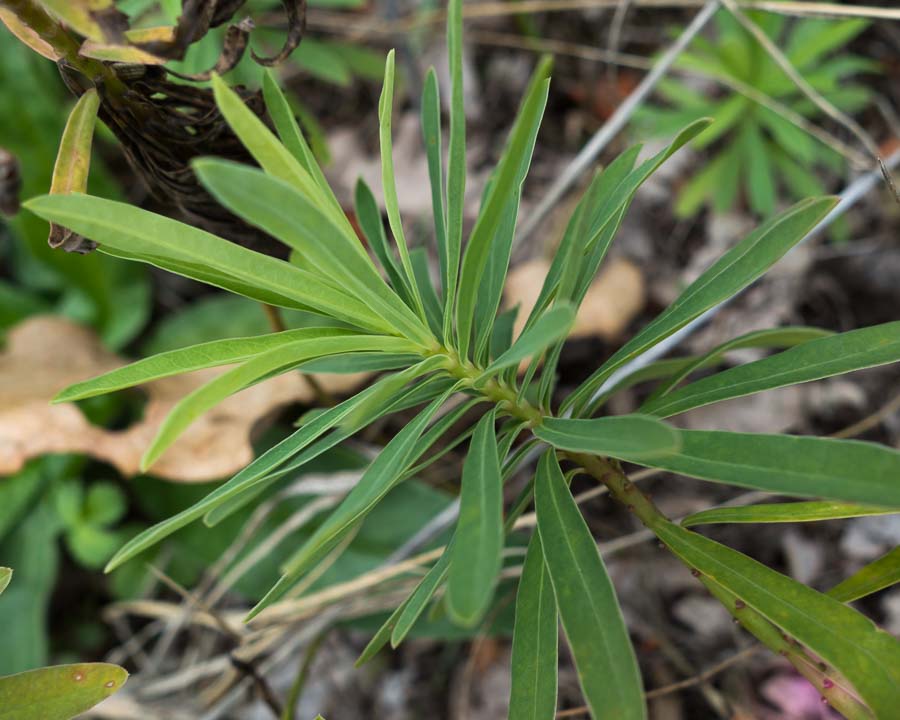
{"x":590,"y":614}
{"x":277,"y":208}
{"x":278,"y":359}
{"x":132,"y":232}
{"x":58,"y":693}
{"x":784,"y":513}
{"x":196,"y":357}
{"x":5,"y":577}
{"x":552,"y":326}
{"x":877,"y":575}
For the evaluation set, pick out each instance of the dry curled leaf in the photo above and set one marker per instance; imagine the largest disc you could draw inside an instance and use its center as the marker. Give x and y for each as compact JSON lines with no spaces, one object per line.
{"x":45,"y":354}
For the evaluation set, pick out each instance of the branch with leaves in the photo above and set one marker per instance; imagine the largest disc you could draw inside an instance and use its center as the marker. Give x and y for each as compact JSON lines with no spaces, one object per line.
{"x":439,"y":342}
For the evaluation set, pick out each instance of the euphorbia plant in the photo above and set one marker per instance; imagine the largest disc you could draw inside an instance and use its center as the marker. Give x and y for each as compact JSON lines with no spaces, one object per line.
{"x":437,"y":343}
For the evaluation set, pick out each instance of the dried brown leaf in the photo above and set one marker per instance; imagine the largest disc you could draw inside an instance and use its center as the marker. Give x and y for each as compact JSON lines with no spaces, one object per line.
{"x":45,"y":354}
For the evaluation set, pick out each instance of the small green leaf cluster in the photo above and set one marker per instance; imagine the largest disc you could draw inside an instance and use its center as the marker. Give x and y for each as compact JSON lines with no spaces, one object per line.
{"x":758,"y":151}
{"x":450,"y":340}
{"x":88,"y":516}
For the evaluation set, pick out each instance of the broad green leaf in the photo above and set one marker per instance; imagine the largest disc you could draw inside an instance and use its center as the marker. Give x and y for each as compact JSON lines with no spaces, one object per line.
{"x":431,"y":136}
{"x":844,"y":470}
{"x":844,"y":639}
{"x":289,"y":131}
{"x":135,"y":233}
{"x":381,"y":476}
{"x":456,"y":163}
{"x":877,"y":575}
{"x":760,"y":181}
{"x":590,"y":614}
{"x":5,"y":577}
{"x":477,"y":551}
{"x":811,"y":39}
{"x":391,"y":202}
{"x":278,"y":359}
{"x":781,"y":337}
{"x":277,"y":208}
{"x":784,"y":513}
{"x":625,"y":436}
{"x":505,"y":186}
{"x":552,"y":326}
{"x":58,"y":693}
{"x":734,"y":271}
{"x":196,"y":357}
{"x":535,"y":642}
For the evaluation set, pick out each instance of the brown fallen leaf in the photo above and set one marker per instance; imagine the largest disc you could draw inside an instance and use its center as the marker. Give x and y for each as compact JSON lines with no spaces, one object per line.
{"x":615,"y":297}
{"x":44,"y":354}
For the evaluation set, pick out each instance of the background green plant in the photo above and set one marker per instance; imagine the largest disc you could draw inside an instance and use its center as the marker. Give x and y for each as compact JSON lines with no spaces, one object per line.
{"x":757,"y":153}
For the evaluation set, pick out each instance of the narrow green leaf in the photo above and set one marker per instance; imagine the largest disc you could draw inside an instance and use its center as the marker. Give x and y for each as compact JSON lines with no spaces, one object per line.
{"x":813,"y":360}
{"x":844,"y":639}
{"x":195,"y":357}
{"x":456,"y":163}
{"x":381,"y":476}
{"x":272,"y":156}
{"x":58,"y":693}
{"x":277,"y":208}
{"x":590,"y":614}
{"x":369,"y":217}
{"x":415,"y":605}
{"x":782,"y":337}
{"x":132,"y":232}
{"x":5,"y":577}
{"x":292,"y":136}
{"x":431,"y":136}
{"x":391,"y":203}
{"x":552,"y":326}
{"x":280,"y":358}
{"x":478,"y":548}
{"x":535,"y":642}
{"x":506,"y":184}
{"x":734,"y":271}
{"x":784,"y":513}
{"x":877,"y":575}
{"x":430,"y":301}
{"x":625,"y":436}
{"x":844,"y":470}
{"x":73,"y":161}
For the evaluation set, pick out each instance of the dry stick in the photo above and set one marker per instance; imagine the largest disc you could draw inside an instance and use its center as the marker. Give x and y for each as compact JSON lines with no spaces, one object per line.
{"x":343,"y":23}
{"x":873,"y":420}
{"x":244,"y":667}
{"x":616,"y":122}
{"x":681,"y":684}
